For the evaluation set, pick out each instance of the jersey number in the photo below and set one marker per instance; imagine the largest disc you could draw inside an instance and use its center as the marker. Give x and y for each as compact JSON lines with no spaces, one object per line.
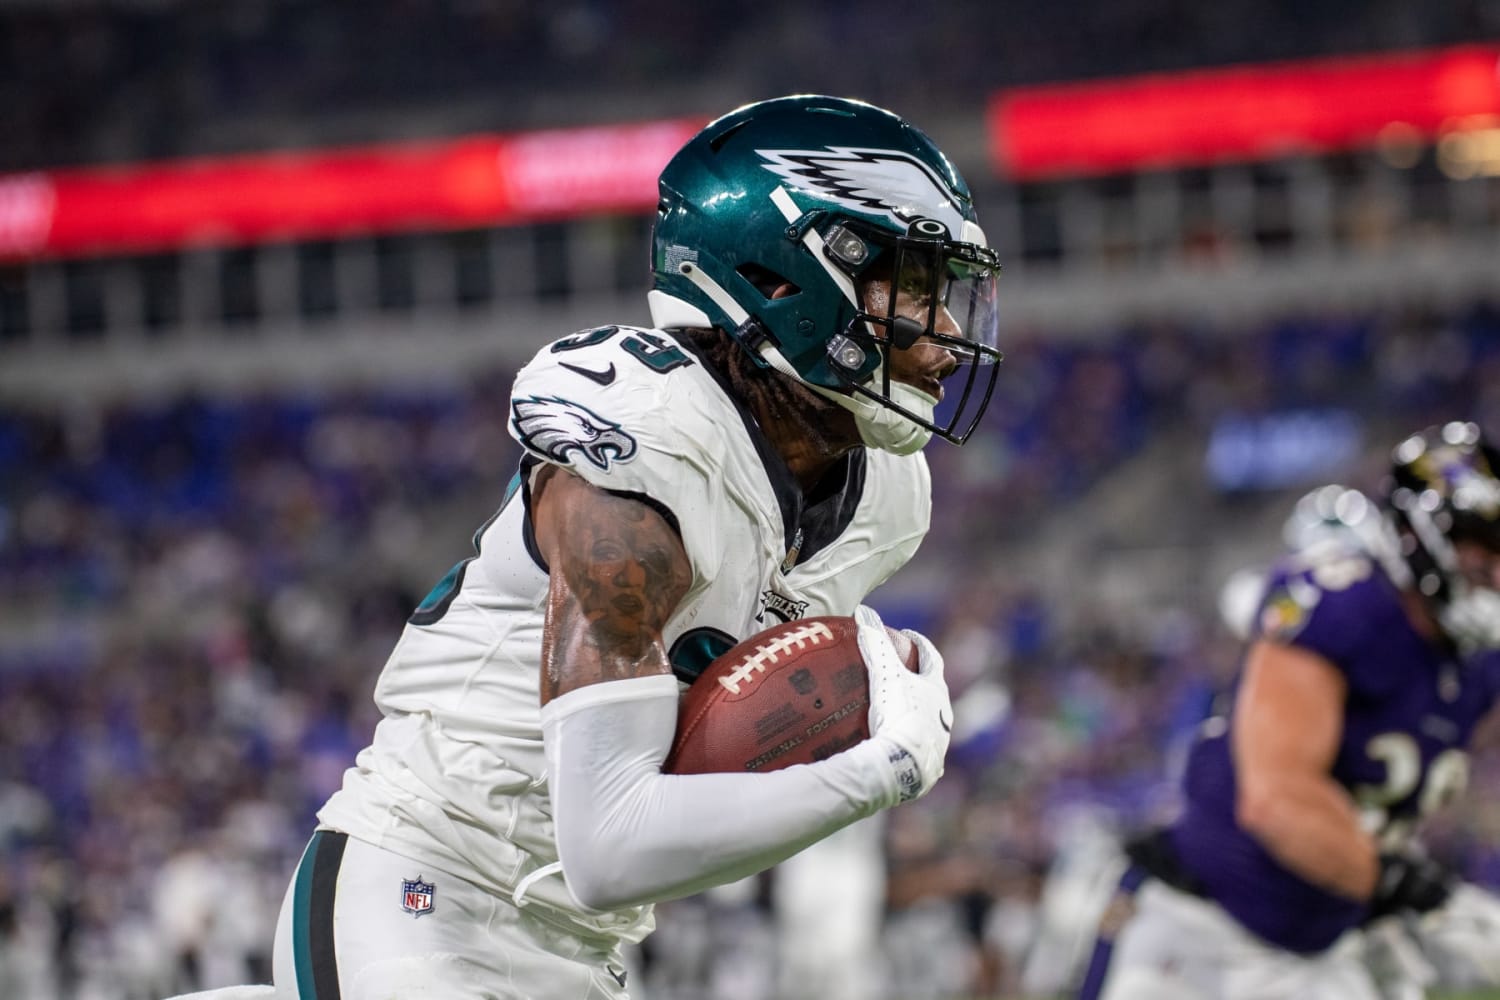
{"x":656,"y":353}
{"x":1447,"y":776}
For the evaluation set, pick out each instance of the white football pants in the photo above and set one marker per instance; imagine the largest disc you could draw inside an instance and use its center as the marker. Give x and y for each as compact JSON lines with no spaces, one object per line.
{"x":1177,"y":946}
{"x":351,"y":928}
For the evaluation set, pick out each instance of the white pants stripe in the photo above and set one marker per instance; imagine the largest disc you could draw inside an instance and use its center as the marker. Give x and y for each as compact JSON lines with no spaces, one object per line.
{"x":468,"y":944}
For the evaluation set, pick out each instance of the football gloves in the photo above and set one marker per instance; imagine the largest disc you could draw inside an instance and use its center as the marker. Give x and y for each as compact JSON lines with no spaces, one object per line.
{"x":1410,"y":882}
{"x":910,"y":710}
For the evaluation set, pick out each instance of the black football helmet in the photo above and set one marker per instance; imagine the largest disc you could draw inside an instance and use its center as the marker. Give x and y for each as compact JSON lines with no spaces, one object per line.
{"x":1444,"y":488}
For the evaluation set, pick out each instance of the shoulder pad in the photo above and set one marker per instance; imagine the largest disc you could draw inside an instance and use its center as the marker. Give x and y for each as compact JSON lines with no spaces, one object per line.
{"x":1337,"y":584}
{"x":594,"y":399}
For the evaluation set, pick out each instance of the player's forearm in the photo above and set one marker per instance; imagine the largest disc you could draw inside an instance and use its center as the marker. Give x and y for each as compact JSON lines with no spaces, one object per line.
{"x":1311,"y":828}
{"x":629,"y":834}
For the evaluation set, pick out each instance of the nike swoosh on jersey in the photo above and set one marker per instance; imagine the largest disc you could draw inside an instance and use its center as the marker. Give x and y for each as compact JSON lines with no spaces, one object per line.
{"x":602,"y":378}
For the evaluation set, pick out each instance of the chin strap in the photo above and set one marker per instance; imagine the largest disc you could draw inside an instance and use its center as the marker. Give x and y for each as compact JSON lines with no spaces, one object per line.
{"x":715,"y":291}
{"x":879,"y":426}
{"x":883,"y":427}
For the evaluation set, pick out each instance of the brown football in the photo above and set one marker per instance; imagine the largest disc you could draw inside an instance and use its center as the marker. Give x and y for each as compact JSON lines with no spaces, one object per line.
{"x":796,"y":693}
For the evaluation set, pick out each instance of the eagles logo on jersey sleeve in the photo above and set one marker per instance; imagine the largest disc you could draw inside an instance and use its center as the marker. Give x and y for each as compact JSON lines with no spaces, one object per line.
{"x":634,"y":412}
{"x":562,"y":430}
{"x":588,"y":401}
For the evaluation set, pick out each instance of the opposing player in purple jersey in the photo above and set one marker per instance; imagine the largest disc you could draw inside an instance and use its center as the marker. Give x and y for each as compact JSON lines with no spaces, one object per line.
{"x":1375,"y":653}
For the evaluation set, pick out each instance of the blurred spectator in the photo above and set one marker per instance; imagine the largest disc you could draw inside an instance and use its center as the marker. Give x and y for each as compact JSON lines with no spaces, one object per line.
{"x":196,"y":593}
{"x":92,"y":81}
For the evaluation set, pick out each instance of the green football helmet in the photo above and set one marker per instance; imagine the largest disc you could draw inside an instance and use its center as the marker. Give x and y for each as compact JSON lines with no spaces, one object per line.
{"x":771,"y":218}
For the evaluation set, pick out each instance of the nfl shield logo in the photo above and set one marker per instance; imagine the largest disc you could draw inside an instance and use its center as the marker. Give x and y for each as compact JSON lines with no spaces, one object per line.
{"x":416,"y":896}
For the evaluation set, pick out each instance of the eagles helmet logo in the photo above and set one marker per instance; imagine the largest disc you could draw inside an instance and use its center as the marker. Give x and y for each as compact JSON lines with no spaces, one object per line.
{"x":558,"y":428}
{"x":872,"y":181}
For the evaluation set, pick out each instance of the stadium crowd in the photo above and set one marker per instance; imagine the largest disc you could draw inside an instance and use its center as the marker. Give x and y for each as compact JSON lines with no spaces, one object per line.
{"x":196,"y":594}
{"x":88,"y":81}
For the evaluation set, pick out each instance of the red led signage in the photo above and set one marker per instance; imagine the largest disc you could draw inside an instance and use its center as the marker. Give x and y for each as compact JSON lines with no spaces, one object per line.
{"x":481,"y":180}
{"x":1242,"y":113}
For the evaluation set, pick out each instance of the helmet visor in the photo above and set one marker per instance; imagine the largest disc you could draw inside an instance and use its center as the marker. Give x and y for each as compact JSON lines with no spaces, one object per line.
{"x":939,"y":289}
{"x":969,"y":296}
{"x":923,"y":287}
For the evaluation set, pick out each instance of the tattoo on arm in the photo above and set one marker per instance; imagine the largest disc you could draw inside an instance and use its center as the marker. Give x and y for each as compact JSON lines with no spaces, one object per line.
{"x":618,"y":572}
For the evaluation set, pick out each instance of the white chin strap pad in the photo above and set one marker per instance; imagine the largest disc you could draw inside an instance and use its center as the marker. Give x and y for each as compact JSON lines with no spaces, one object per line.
{"x":879,"y":426}
{"x":882,"y":427}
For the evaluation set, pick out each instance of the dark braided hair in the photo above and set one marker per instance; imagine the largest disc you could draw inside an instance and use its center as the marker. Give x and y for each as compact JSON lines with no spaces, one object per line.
{"x":771,"y":393}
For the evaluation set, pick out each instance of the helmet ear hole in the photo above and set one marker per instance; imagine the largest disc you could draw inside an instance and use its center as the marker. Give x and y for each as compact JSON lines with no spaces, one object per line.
{"x":765,"y":280}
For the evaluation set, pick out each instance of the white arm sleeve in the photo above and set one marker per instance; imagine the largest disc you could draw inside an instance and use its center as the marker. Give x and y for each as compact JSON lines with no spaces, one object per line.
{"x":628,"y":834}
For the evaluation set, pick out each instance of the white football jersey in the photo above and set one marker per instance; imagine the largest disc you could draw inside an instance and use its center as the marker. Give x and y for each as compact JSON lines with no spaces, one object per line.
{"x":456,"y":777}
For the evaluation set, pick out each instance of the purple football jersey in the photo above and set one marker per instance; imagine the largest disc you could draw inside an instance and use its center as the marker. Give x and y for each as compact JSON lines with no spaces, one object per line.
{"x":1411,"y":707}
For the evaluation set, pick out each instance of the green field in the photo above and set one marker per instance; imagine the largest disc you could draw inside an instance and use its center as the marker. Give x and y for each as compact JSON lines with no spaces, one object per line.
{"x":1481,"y":994}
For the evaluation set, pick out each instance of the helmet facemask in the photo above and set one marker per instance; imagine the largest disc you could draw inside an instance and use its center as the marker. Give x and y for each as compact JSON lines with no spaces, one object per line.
{"x":1472,"y":613}
{"x":921,"y":287}
{"x":1446,"y":494}
{"x":774,"y":222}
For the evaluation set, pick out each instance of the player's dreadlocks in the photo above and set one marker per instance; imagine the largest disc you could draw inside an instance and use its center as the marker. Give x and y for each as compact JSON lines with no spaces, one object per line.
{"x":769,"y":391}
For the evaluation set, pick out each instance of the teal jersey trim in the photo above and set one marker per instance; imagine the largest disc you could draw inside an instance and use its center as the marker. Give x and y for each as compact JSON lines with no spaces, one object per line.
{"x":695,"y":649}
{"x":301,"y":905}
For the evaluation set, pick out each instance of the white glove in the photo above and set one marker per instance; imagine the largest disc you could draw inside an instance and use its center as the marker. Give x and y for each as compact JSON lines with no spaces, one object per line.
{"x":910,"y":710}
{"x":1463,"y":937}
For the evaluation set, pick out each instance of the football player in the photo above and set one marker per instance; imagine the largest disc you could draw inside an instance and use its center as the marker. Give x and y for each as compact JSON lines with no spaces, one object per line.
{"x":820,"y":285}
{"x":1375,"y":652}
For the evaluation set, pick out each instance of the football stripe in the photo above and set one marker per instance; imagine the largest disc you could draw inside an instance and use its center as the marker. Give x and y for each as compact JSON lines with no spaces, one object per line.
{"x":312,"y":917}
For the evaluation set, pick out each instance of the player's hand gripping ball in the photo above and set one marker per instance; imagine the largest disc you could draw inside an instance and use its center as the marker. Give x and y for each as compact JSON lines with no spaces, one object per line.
{"x":796,"y":693}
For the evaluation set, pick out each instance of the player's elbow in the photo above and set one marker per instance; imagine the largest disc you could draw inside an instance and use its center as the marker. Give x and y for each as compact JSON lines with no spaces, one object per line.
{"x":1259,"y":809}
{"x":595,"y":888}
{"x":592,"y":896}
{"x":598,"y":877}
